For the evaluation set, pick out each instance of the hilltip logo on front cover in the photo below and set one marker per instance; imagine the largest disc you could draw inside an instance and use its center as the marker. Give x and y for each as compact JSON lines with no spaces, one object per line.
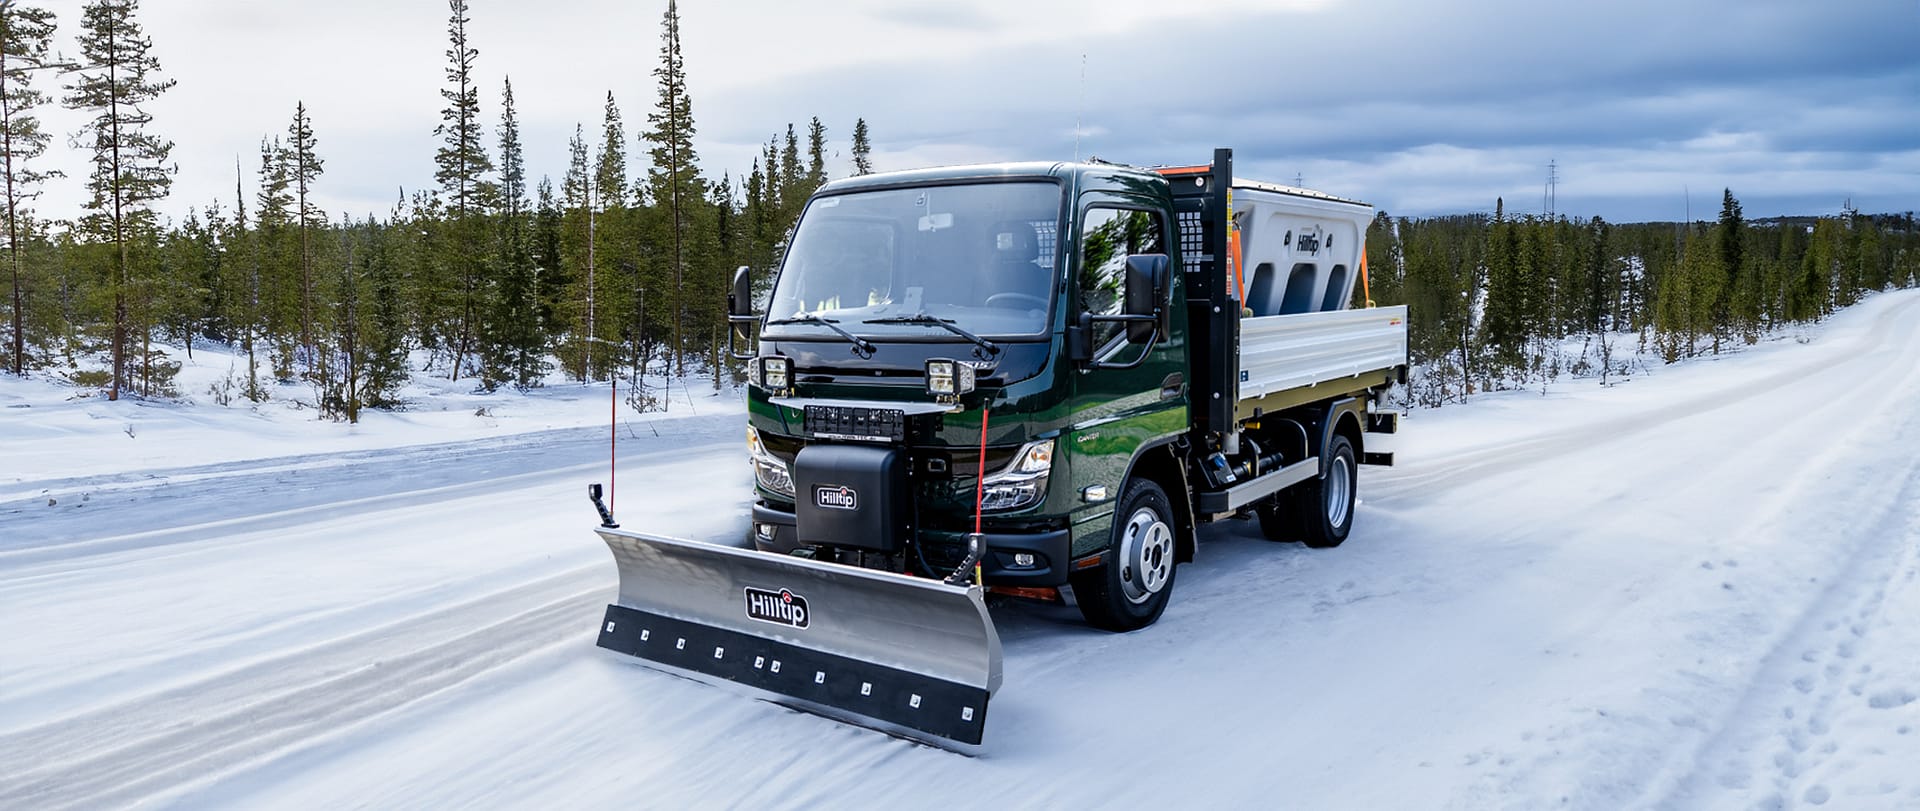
{"x":836,"y":497}
{"x":781,"y":607}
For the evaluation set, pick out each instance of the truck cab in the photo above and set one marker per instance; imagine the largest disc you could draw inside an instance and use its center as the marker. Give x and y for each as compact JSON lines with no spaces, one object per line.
{"x":1062,"y":369}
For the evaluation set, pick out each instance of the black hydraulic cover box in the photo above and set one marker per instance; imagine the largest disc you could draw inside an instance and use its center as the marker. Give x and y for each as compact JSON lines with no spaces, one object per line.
{"x":851,"y":496}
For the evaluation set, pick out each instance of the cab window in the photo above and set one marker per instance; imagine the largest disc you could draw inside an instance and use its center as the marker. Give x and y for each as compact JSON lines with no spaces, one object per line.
{"x":1107,"y":237}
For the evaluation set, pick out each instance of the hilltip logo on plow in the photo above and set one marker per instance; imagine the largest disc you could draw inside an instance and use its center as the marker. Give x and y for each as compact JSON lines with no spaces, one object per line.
{"x":781,"y":607}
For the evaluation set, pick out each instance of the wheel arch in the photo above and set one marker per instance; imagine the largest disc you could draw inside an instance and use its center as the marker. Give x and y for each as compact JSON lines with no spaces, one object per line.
{"x":1160,"y":462}
{"x":1344,"y":417}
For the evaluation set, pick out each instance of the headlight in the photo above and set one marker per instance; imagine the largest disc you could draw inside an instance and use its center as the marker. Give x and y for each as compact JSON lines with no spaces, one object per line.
{"x":776,"y":373}
{"x":1023,"y":482}
{"x":948,"y":379}
{"x":768,"y":470}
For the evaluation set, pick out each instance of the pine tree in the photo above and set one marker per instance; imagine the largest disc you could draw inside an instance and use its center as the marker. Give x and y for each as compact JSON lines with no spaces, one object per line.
{"x":726,"y":245}
{"x":516,"y":352}
{"x":550,"y":271}
{"x":462,"y":167}
{"x":793,"y":188}
{"x":245,"y":249}
{"x":617,"y":319}
{"x":816,"y":153}
{"x":1504,"y":328}
{"x":303,"y":167}
{"x":674,"y":180}
{"x":577,"y":255}
{"x":1731,"y":236}
{"x":26,"y":37}
{"x":610,"y":169}
{"x":384,"y":339}
{"x":862,"y":149}
{"x":276,"y":268}
{"x":130,"y":167}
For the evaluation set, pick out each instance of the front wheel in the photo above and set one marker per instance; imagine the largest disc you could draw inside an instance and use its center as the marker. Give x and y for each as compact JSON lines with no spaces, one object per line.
{"x":1133,"y":587}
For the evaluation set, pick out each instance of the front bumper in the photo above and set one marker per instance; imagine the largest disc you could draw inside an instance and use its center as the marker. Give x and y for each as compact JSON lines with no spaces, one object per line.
{"x":774,"y":531}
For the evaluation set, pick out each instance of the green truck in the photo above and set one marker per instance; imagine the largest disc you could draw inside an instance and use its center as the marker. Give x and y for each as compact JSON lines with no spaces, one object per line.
{"x":1039,"y":379}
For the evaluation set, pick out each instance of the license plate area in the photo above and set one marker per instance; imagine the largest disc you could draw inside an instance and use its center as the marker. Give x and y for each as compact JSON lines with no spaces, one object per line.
{"x":856,"y":423}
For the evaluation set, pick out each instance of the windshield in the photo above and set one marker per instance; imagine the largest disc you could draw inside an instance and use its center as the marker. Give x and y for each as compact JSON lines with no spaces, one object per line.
{"x":979,"y":256}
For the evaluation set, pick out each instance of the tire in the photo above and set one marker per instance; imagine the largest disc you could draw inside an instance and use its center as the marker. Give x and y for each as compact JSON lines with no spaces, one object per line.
{"x":1131,"y":589}
{"x":1324,"y":506}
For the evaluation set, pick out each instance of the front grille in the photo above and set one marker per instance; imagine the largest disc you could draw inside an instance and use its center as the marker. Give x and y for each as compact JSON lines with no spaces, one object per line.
{"x":855,"y":422}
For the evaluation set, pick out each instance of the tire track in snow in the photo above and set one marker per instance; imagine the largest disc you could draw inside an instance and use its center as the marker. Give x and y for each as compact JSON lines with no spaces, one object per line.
{"x":142,"y":745}
{"x":228,"y":493}
{"x":1778,"y":729}
{"x":1482,"y":462}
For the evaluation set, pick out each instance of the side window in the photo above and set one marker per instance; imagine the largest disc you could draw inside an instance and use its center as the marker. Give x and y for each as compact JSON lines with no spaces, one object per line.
{"x":1107,"y":237}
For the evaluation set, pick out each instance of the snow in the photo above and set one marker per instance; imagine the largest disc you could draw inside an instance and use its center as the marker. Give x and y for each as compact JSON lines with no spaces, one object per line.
{"x":1697,"y":589}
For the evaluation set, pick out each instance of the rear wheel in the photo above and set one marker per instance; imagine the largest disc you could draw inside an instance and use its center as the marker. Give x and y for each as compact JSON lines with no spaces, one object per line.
{"x":1325,"y":505}
{"x":1133,"y":587}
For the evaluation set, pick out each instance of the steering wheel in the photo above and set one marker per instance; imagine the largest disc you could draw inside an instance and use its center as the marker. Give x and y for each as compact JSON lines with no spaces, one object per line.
{"x":1014,"y":300}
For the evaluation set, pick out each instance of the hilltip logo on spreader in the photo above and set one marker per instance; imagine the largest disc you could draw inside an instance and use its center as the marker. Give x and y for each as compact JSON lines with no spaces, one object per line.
{"x":781,"y":607}
{"x":836,"y":497}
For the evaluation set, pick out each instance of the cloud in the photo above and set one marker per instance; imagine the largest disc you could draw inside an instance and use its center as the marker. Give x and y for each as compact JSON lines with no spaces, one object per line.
{"x":1422,"y":108}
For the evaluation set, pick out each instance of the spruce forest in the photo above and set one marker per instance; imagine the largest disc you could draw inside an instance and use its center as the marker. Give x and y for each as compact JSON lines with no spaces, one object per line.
{"x":614,"y":272}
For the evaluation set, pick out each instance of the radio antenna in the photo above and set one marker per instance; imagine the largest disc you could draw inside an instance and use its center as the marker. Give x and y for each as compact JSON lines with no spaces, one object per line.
{"x":1080,"y":113}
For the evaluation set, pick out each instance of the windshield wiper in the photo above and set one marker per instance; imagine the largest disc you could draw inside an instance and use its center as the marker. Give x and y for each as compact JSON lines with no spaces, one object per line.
{"x":943,"y":323}
{"x":861,"y":346}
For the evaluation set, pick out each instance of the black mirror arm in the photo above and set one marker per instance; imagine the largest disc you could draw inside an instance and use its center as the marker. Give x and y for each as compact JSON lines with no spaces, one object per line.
{"x":740,"y":330}
{"x":740,"y":313}
{"x":1146,"y":349}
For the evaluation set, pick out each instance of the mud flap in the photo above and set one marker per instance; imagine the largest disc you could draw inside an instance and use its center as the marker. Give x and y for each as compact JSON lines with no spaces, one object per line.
{"x":906,"y":655}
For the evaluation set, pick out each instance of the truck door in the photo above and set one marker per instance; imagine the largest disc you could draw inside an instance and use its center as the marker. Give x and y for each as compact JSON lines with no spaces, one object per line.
{"x":1116,"y":411}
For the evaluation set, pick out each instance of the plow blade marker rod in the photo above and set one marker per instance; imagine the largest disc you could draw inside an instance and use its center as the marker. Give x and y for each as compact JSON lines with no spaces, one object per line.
{"x":903,"y":654}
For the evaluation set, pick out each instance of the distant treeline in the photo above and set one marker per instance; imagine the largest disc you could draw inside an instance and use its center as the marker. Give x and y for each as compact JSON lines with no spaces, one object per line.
{"x":609,"y":272}
{"x":615,"y":273}
{"x":1493,"y":301}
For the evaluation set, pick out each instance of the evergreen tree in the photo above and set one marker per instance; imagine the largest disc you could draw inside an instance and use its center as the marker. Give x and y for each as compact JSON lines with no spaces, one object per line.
{"x":862,"y":149}
{"x":276,"y":264}
{"x":549,"y":272}
{"x":1504,"y":330}
{"x":26,"y":37}
{"x":610,"y":171}
{"x":726,"y":244}
{"x":618,"y":320}
{"x":130,"y":169}
{"x":384,"y":332}
{"x":303,"y":167}
{"x":462,"y":165}
{"x":674,"y":180}
{"x":1731,"y":236}
{"x":816,"y":153}
{"x":516,"y":353}
{"x":577,"y":257}
{"x":793,"y":188}
{"x":244,"y":248}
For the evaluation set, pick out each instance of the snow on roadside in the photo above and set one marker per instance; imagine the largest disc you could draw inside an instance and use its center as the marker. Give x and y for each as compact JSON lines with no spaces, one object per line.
{"x":50,"y":429}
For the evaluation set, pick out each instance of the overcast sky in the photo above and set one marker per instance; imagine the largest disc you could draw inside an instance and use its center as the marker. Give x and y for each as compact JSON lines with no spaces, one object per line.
{"x":1417,"y":107}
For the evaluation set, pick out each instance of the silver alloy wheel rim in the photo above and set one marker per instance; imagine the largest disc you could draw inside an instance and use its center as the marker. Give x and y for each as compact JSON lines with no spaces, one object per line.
{"x":1338,"y":488}
{"x":1146,"y":555}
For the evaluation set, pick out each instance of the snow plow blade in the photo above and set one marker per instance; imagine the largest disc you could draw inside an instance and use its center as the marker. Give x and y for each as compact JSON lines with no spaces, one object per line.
{"x":909,"y":656}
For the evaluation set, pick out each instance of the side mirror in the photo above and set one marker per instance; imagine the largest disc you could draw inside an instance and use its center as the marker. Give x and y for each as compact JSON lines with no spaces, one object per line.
{"x":740,"y":315}
{"x":740,"y":301}
{"x":1147,"y":295}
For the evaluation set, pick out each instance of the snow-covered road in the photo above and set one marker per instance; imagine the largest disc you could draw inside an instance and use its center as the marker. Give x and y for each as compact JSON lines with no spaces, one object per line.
{"x":1697,"y":589}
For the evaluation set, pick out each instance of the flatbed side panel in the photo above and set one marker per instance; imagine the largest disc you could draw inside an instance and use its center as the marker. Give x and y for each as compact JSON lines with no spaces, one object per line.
{"x":1284,"y":352}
